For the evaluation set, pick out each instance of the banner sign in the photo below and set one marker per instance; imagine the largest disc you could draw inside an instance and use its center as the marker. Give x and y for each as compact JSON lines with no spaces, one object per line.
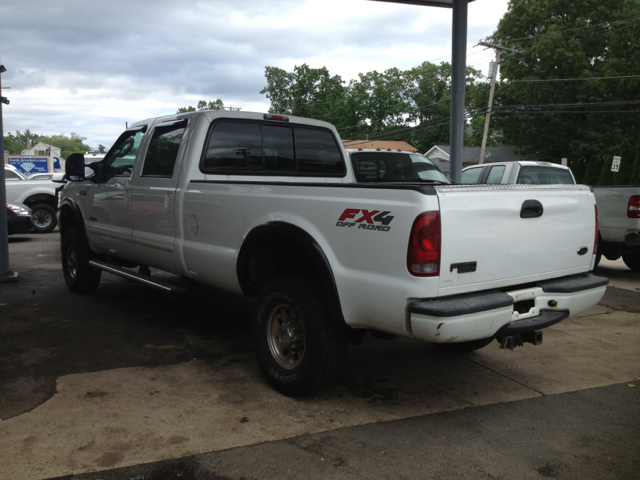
{"x":30,"y":165}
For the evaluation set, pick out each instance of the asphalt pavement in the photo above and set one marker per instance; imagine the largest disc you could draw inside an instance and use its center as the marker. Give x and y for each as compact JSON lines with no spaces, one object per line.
{"x":128,"y":383}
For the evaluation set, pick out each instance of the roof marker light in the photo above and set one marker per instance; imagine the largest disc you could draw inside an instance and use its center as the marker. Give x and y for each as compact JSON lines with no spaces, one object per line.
{"x":359,"y":148}
{"x":388,"y":149}
{"x":399,"y":149}
{"x":378,"y":149}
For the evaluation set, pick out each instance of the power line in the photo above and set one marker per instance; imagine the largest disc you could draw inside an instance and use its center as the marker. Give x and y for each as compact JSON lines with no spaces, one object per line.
{"x":573,"y":79}
{"x":563,"y":32}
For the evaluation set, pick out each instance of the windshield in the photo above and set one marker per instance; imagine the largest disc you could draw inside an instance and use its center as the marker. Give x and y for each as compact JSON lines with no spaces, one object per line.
{"x":386,"y":167}
{"x":540,"y":175}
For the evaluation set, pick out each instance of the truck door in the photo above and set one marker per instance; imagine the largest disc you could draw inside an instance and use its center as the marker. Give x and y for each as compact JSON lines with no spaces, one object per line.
{"x":153,"y":196}
{"x":109,"y":198}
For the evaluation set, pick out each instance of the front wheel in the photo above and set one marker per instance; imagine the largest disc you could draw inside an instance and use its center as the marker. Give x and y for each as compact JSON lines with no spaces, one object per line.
{"x":299,"y":348}
{"x":632,"y":259}
{"x":462,"y":347}
{"x":44,"y":218}
{"x":78,"y":275}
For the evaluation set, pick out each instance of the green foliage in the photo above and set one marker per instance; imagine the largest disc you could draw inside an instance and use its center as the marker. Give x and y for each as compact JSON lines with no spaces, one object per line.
{"x":593,"y":172}
{"x":578,"y":168}
{"x":635,"y":173}
{"x":101,"y":148}
{"x":410,"y":105}
{"x":73,"y":143}
{"x":606,"y":175}
{"x":203,"y":105}
{"x":628,"y":155}
{"x":563,"y":40}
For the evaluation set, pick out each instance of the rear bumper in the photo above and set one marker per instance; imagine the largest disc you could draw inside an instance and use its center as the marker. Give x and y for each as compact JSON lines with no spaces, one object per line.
{"x":466,"y":317}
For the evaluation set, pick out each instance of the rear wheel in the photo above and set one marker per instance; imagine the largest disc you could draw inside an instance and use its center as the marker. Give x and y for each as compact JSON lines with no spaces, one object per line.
{"x":299,"y":348}
{"x":462,"y":347}
{"x":78,"y":275}
{"x":44,"y":218}
{"x":632,"y":259}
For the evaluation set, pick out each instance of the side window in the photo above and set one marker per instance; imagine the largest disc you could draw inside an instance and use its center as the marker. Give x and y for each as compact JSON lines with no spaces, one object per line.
{"x":119,"y":161}
{"x":9,"y":175}
{"x":163,"y":151}
{"x":495,"y":174}
{"x":234,"y":146}
{"x":471,"y":176}
{"x":317,"y":152}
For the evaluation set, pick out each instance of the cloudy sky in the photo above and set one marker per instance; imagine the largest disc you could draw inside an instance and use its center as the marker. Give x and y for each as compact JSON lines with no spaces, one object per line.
{"x":88,"y":66}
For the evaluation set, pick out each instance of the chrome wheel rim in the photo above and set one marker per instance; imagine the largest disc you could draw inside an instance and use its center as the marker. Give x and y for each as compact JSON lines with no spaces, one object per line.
{"x":72,"y":261}
{"x":285,"y":336}
{"x":42,"y":219}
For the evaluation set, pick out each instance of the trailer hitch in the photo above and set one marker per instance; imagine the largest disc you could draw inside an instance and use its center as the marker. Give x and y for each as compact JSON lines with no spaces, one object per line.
{"x":519,"y":339}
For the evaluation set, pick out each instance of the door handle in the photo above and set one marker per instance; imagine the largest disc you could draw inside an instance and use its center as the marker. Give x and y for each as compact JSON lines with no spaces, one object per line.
{"x":168,"y":201}
{"x":531,"y":209}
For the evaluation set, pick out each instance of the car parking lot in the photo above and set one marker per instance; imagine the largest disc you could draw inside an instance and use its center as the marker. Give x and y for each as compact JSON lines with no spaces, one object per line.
{"x":128,"y":383}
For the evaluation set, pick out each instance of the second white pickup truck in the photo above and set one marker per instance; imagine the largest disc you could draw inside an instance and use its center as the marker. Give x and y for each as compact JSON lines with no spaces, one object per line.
{"x":332,"y":243}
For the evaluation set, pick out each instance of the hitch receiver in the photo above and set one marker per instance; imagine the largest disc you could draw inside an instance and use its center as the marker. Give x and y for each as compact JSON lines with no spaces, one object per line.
{"x":520,"y":339}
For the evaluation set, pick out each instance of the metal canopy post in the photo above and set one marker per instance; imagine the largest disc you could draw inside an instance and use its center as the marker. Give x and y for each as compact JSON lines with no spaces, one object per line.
{"x":5,"y":273}
{"x":458,"y":75}
{"x":458,"y":83}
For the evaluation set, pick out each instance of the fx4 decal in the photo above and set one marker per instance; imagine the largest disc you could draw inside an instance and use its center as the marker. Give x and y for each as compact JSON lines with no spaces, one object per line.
{"x":365,"y":219}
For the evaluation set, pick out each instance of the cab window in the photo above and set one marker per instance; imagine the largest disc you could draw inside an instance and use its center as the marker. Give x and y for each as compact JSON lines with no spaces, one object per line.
{"x":251,"y":148}
{"x":540,"y":175}
{"x":389,"y":167}
{"x":11,"y":175}
{"x":495,"y":174}
{"x":163,"y":150}
{"x":471,"y":176}
{"x":120,"y":159}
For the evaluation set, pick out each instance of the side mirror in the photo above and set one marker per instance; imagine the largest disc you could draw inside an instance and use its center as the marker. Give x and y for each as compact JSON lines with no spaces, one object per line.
{"x":58,"y":178}
{"x":74,"y":167}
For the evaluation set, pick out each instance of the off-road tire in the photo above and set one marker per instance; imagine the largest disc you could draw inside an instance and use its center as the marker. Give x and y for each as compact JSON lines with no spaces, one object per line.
{"x":44,"y":218}
{"x":462,"y":347}
{"x":311,"y":352}
{"x":632,"y":259}
{"x":78,"y":275}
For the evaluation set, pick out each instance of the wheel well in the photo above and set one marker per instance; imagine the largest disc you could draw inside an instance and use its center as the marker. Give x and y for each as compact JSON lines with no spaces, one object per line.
{"x":41,"y":198}
{"x":277,"y":249}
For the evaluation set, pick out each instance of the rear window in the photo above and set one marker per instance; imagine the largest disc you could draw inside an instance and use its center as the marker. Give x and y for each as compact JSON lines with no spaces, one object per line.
{"x":540,"y":175}
{"x":388,"y":167}
{"x":261,"y":148}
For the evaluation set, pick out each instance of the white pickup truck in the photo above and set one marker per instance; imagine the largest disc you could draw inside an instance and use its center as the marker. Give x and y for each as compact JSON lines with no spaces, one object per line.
{"x":38,"y":195}
{"x":618,"y":206}
{"x":619,"y":224}
{"x":333,"y":244}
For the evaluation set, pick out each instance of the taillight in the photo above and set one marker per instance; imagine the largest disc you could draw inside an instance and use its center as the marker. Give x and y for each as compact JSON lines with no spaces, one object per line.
{"x":423,"y":257}
{"x":633,"y":211}
{"x":595,"y":242}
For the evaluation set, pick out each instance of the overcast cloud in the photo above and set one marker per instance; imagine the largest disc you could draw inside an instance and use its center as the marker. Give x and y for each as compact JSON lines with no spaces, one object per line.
{"x":88,"y":67}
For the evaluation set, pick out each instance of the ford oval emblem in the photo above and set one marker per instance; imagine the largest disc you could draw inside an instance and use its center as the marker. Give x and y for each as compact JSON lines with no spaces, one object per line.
{"x":583,"y":250}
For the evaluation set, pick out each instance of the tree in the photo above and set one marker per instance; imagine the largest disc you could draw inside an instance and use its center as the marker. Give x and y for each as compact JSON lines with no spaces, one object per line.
{"x":411,"y":105}
{"x":101,"y":148}
{"x":635,"y":173}
{"x":569,"y":40}
{"x":203,"y":105}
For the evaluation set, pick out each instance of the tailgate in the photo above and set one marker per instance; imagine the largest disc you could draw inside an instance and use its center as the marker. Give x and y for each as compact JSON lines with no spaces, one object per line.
{"x":485,"y":224}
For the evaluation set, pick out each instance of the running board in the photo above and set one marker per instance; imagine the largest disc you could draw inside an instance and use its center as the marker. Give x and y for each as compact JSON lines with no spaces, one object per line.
{"x":136,"y":277}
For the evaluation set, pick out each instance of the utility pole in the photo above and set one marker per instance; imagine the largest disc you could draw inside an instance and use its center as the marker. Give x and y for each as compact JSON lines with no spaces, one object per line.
{"x":498,"y":49}
{"x":6,"y":275}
